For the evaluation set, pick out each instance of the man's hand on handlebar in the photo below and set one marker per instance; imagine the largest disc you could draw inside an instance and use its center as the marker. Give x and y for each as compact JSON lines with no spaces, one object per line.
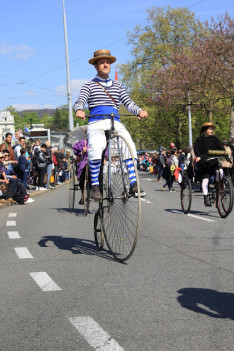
{"x":142,"y":114}
{"x":80,"y":114}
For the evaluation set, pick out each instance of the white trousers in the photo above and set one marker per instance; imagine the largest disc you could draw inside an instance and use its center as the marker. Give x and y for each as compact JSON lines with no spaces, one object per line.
{"x":97,"y":138}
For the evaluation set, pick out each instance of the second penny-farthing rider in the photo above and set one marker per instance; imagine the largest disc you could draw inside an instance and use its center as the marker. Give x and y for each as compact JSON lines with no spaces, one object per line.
{"x":104,"y":96}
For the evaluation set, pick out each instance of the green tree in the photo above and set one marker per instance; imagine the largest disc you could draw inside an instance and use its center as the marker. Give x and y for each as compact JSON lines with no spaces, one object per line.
{"x":168,"y":30}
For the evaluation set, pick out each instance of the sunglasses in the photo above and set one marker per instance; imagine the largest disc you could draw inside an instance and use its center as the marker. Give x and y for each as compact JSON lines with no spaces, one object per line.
{"x":2,"y":156}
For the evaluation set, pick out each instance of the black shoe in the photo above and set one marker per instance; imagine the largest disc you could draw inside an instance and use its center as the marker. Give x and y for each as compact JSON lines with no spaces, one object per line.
{"x":207,"y":201}
{"x":95,"y":193}
{"x":133,"y":189}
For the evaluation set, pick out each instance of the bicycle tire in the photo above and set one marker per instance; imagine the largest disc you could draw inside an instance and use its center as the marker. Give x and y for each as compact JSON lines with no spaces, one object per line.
{"x":224,"y":197}
{"x":121,"y":211}
{"x":71,"y":190}
{"x":186,"y":194}
{"x":86,"y":191}
{"x":98,"y":231}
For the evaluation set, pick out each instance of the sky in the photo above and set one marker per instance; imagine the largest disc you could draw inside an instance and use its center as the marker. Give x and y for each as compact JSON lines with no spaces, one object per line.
{"x":32,"y":49}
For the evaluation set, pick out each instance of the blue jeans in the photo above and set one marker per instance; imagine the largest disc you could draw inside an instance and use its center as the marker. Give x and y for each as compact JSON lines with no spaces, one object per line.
{"x":49,"y":171}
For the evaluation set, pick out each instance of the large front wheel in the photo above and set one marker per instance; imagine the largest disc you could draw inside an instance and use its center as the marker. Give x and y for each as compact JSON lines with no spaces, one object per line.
{"x":121,"y":207}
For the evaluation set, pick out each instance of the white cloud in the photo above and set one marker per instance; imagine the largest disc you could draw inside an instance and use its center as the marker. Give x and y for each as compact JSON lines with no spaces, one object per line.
{"x":76,"y":85}
{"x":20,"y":51}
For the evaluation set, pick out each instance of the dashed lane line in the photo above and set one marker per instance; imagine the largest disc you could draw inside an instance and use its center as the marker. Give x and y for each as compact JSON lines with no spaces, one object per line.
{"x":150,"y":180}
{"x":11,"y":215}
{"x":44,"y":281}
{"x":13,"y":235}
{"x":194,"y":216}
{"x":146,"y":201}
{"x":11,"y":223}
{"x":94,"y":334}
{"x":23,"y":253}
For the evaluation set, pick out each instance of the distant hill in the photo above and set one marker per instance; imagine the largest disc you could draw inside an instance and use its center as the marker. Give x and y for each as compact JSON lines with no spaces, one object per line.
{"x":39,"y":112}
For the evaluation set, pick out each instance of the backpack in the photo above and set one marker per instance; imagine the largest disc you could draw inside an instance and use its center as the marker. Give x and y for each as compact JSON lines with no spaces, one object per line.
{"x":14,"y":146}
{"x":35,"y":158}
{"x":169,"y":162}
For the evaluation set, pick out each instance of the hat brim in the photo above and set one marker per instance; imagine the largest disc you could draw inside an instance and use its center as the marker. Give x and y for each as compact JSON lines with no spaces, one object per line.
{"x":93,"y":60}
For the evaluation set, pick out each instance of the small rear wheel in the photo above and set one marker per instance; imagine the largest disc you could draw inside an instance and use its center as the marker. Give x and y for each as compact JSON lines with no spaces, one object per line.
{"x":186,"y":194}
{"x":86,"y":190}
{"x":224,"y":197}
{"x":98,"y":231}
{"x":71,"y":189}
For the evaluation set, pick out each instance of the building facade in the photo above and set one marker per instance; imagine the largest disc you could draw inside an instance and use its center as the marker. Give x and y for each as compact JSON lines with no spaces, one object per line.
{"x":7,"y":124}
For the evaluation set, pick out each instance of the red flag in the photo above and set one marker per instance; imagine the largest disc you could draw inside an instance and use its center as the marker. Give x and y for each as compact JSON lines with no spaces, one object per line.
{"x":116,"y":77}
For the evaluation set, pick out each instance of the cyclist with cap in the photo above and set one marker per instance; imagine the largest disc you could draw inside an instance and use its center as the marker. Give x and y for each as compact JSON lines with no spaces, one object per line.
{"x":206,"y":168}
{"x":104,"y":96}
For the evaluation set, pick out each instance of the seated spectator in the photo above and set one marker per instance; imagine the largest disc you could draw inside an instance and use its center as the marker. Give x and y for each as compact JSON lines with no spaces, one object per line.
{"x":13,"y":191}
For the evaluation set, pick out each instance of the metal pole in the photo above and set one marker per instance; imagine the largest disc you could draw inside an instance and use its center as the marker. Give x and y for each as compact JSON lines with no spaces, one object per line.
{"x":71,"y":123}
{"x":190,"y":124}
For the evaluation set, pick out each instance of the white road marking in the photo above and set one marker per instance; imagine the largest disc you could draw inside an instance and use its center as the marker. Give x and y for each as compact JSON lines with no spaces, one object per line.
{"x":194,"y":216}
{"x":150,"y":180}
{"x":13,"y":235}
{"x":94,"y":334}
{"x":23,"y":252}
{"x":44,"y":281}
{"x":147,"y":201}
{"x":12,"y":214}
{"x":11,"y":223}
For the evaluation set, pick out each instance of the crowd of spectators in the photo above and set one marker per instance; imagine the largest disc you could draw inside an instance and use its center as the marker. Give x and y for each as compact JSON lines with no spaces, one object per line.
{"x":25,"y":166}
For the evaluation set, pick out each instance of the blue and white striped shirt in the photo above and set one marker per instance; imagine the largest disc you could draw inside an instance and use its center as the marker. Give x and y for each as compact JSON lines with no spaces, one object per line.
{"x":100,"y":103}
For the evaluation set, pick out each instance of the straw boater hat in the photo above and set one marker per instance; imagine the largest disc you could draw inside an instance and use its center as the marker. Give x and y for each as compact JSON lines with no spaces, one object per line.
{"x":207,"y":125}
{"x":100,"y":54}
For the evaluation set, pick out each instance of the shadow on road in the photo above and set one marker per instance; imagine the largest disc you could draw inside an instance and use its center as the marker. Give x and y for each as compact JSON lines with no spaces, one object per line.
{"x":207,"y":301}
{"x":200,"y":213}
{"x":76,"y":211}
{"x":76,"y":246}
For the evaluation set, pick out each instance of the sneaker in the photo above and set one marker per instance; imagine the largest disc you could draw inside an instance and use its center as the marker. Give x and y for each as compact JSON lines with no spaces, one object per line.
{"x":95,"y":193}
{"x":162,"y":188}
{"x":29,"y":201}
{"x":37,"y":188}
{"x":172,"y":189}
{"x":41,"y":189}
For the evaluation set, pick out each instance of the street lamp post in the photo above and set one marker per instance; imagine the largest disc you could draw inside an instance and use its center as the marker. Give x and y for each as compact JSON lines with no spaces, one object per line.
{"x":190,"y":123}
{"x":71,"y":123}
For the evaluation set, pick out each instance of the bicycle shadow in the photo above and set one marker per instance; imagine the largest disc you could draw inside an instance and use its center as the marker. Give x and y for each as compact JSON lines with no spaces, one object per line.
{"x":75,"y":246}
{"x":76,"y":211}
{"x":208,"y":302}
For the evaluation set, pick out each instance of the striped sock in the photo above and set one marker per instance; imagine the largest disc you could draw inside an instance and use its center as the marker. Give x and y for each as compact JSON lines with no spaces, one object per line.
{"x":94,"y":167}
{"x":131,"y":171}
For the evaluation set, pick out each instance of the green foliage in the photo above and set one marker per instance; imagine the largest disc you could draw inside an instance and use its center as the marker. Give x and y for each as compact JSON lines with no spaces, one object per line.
{"x":167,"y":64}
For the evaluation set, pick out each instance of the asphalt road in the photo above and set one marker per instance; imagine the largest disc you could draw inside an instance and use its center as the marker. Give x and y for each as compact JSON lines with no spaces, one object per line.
{"x":58,"y":293}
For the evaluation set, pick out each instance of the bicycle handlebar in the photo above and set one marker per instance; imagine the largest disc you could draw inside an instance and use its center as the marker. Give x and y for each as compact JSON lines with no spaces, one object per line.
{"x":218,"y":153}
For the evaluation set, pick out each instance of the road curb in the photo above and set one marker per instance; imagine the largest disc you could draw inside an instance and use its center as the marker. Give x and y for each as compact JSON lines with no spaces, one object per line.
{"x":35,"y":193}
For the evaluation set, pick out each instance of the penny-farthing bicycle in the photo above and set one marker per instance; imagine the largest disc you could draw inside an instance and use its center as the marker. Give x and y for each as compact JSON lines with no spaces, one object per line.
{"x":118,"y":216}
{"x":221,"y":194}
